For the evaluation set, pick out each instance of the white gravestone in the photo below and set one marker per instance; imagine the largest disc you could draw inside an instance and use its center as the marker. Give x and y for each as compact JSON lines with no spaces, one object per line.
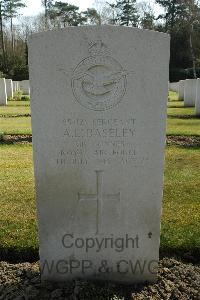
{"x":189,"y":92}
{"x":181,"y":90}
{"x":15,"y":86}
{"x":25,"y":87}
{"x":174,"y":86}
{"x":99,"y":139}
{"x":3,"y":94}
{"x":197,"y":101}
{"x":9,"y":88}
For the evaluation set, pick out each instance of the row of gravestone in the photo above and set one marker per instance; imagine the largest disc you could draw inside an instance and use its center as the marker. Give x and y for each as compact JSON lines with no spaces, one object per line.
{"x":189,"y":91}
{"x":8,"y":87}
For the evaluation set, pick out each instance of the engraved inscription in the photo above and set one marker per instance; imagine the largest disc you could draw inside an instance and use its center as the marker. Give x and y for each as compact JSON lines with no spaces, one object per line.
{"x":99,"y":81}
{"x":102,"y":141}
{"x":102,"y":128}
{"x":99,"y":197}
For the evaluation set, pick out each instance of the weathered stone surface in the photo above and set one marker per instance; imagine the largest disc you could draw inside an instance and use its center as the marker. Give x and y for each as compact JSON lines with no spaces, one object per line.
{"x":197,"y":101}
{"x":3,"y":94}
{"x":174,"y":86}
{"x":189,"y":92}
{"x":98,"y":103}
{"x":15,"y":86}
{"x":181,"y":90}
{"x":9,"y":88}
{"x":25,"y":87}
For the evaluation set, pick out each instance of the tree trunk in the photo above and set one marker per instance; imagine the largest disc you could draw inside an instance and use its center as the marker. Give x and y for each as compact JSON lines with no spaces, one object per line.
{"x":113,"y":17}
{"x":12,"y":34}
{"x":192,"y":54}
{"x":46,"y":14}
{"x":2,"y":40}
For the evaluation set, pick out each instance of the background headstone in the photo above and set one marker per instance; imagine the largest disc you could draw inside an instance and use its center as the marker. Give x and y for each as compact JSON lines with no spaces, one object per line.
{"x":174,"y":86}
{"x":25,"y":87}
{"x":197,"y":102}
{"x":189,"y":92}
{"x":181,"y":90}
{"x":15,"y":86}
{"x":3,"y":94}
{"x":98,"y":103}
{"x":9,"y":88}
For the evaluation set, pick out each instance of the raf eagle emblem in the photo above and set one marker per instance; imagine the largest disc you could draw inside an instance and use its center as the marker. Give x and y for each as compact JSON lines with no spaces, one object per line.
{"x":99,"y":81}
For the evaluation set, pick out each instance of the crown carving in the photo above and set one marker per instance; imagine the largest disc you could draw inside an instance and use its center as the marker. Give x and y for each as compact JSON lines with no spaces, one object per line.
{"x":98,"y":48}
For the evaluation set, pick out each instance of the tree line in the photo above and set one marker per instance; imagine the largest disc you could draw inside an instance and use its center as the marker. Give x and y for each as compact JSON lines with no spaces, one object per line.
{"x":179,"y":18}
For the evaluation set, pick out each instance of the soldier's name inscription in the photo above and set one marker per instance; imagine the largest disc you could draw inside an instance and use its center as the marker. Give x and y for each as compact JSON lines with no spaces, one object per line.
{"x":101,"y":140}
{"x":102,"y":128}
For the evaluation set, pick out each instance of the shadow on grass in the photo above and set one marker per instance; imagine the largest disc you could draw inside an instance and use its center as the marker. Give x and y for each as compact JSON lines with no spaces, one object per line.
{"x":14,"y":116}
{"x":186,"y":255}
{"x":175,"y":106}
{"x":191,"y":147}
{"x":9,"y":139}
{"x":184,"y":141}
{"x":182,"y":117}
{"x":12,"y":255}
{"x":179,"y":140}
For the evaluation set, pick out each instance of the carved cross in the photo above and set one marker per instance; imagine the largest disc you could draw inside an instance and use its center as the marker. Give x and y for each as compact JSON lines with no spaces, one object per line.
{"x":99,"y":197}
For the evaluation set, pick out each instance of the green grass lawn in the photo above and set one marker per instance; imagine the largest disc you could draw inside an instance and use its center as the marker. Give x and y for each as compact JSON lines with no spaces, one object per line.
{"x":21,"y":125}
{"x":181,"y":207}
{"x":18,"y":103}
{"x":175,"y":126}
{"x":182,"y":111}
{"x":10,"y":123}
{"x":186,"y":127}
{"x":176,"y":123}
{"x":173,"y":96}
{"x":17,"y":211}
{"x":14,"y":110}
{"x":175,"y":104}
